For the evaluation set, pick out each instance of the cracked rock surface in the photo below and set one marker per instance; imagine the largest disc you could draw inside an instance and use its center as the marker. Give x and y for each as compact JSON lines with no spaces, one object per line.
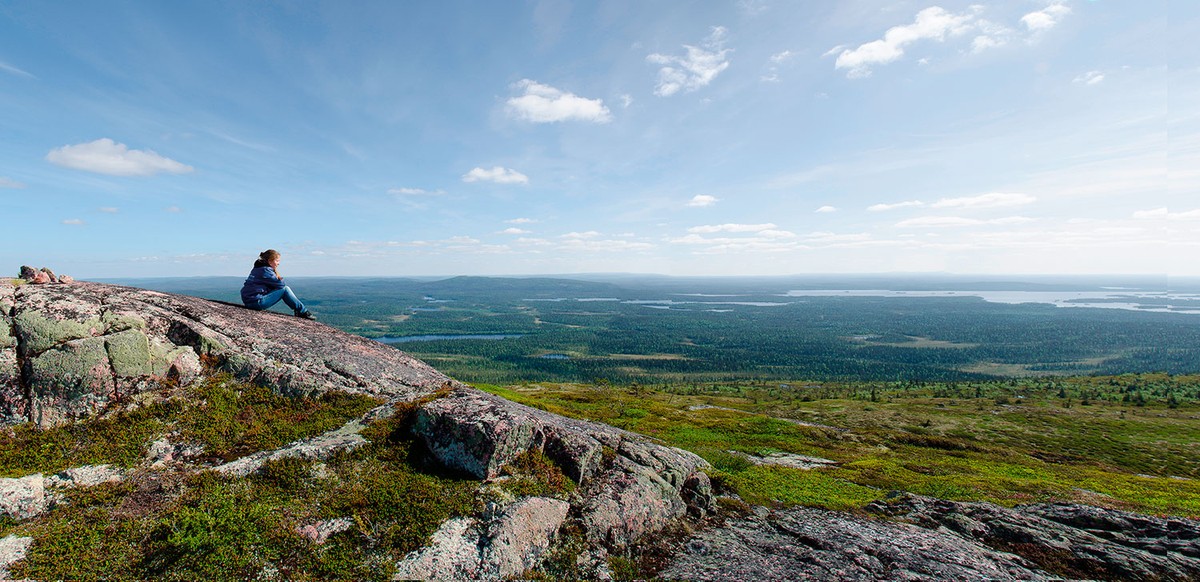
{"x":68,"y":351}
{"x":913,"y":537}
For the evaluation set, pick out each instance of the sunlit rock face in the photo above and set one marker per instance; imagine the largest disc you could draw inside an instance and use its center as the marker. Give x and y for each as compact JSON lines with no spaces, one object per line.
{"x":69,"y":351}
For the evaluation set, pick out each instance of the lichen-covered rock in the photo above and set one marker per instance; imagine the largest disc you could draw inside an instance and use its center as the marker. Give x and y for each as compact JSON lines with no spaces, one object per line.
{"x":470,"y":549}
{"x":920,"y":538}
{"x":1071,"y":540}
{"x":629,"y":486}
{"x":816,"y":544}
{"x":67,"y":351}
{"x":12,"y":549}
{"x":23,"y":498}
{"x":86,"y":476}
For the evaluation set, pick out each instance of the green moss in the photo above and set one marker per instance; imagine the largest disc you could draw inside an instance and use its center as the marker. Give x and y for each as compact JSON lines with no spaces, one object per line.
{"x":119,"y":440}
{"x":233,"y":419}
{"x":768,"y":485}
{"x":532,"y":473}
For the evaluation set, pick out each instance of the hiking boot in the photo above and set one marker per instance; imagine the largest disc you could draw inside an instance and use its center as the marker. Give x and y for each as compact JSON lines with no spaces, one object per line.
{"x":305,"y":315}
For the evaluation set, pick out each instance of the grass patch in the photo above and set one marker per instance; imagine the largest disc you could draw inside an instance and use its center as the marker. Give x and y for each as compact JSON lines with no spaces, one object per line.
{"x":179,"y":526}
{"x":948,"y":441}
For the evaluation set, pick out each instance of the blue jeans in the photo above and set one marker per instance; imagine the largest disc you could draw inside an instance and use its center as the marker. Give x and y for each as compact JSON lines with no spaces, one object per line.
{"x":273,"y":297}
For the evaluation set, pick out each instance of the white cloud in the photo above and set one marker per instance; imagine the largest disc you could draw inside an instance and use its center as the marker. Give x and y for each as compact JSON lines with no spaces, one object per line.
{"x":956,"y":221}
{"x":11,"y":69}
{"x":581,"y":235}
{"x":1089,"y":78}
{"x":173,"y":209}
{"x":826,"y":208}
{"x":514,"y":230}
{"x":1045,"y":18}
{"x":520,"y":221}
{"x":695,"y":70}
{"x":1164,"y":214}
{"x":933,"y":23}
{"x":545,"y":104}
{"x":702,"y":200}
{"x":883,"y":207}
{"x":74,"y":222}
{"x":497,"y":174}
{"x":711,"y":228}
{"x":984,"y":42}
{"x":108,"y":209}
{"x":10,"y":183}
{"x":603,"y":245}
{"x":990,"y":200}
{"x":104,"y":156}
{"x":778,"y":58}
{"x":414,"y":192}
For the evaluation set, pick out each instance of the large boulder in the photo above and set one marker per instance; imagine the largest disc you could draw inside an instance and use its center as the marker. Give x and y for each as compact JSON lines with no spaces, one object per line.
{"x":67,"y":351}
{"x":629,"y":485}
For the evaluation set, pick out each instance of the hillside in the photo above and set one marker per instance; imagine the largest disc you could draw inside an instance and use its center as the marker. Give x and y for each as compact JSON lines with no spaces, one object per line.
{"x":152,"y":435}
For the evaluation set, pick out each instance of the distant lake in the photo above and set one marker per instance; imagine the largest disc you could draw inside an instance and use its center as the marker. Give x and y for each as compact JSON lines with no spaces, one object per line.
{"x":432,"y":338}
{"x":1115,"y":299}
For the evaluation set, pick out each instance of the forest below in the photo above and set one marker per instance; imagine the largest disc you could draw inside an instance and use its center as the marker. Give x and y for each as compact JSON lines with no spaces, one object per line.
{"x":693,"y":330}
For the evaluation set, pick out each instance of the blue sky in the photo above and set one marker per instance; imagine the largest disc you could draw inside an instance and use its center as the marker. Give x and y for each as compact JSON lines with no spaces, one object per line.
{"x":684,"y":138}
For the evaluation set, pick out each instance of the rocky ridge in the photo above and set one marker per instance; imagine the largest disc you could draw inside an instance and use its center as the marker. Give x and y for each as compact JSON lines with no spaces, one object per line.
{"x":68,"y":352}
{"x":71,"y":351}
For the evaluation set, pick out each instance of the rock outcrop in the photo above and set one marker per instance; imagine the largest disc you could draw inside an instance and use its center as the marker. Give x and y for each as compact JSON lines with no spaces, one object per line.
{"x":68,"y":351}
{"x":71,"y":351}
{"x":920,"y":538}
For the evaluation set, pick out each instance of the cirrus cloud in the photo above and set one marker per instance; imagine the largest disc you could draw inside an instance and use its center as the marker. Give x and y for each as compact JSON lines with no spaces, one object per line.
{"x":545,"y":104}
{"x":696,"y":69}
{"x":497,"y":174}
{"x":104,"y":156}
{"x":10,"y":183}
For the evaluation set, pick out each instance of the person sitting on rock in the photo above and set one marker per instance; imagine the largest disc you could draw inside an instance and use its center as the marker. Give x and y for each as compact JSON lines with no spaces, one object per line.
{"x":264,"y":288}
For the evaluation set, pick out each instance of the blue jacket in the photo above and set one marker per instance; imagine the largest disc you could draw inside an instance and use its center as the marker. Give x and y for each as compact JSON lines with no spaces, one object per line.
{"x":262,"y":280}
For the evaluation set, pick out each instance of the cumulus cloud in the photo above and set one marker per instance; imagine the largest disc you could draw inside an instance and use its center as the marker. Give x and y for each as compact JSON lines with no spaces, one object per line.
{"x":497,"y":174}
{"x":933,"y":23}
{"x":74,"y":222}
{"x":521,"y":221}
{"x":104,"y":156}
{"x":884,"y":207}
{"x":695,"y":69}
{"x":414,"y":192}
{"x":1045,"y":18}
{"x":956,"y":221}
{"x":545,"y":104}
{"x":1089,"y":78}
{"x":702,"y":200}
{"x":989,"y":200}
{"x":514,"y":230}
{"x":826,"y":208}
{"x":10,"y":183}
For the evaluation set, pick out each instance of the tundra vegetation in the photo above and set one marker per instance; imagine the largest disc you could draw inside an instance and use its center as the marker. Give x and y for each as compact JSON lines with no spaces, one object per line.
{"x":958,"y":399}
{"x":1011,"y":442}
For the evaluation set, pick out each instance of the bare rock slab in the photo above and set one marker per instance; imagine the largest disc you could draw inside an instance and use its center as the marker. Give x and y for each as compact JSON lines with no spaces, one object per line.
{"x":12,"y":549}
{"x":23,"y":498}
